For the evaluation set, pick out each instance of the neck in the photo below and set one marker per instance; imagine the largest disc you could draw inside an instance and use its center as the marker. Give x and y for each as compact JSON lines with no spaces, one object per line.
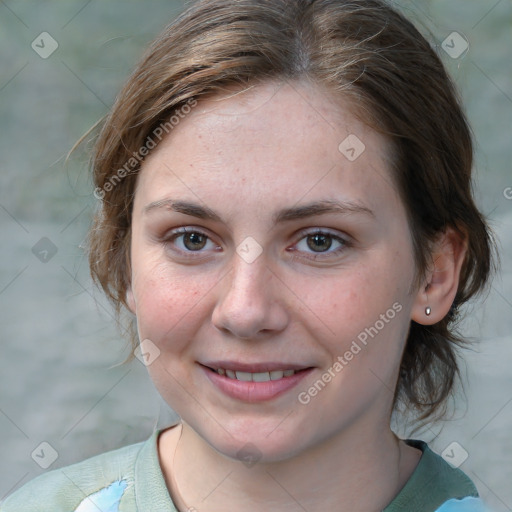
{"x":348,"y":472}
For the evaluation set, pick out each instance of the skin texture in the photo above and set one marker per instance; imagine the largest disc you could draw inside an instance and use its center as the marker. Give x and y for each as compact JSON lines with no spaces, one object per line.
{"x":247,"y":155}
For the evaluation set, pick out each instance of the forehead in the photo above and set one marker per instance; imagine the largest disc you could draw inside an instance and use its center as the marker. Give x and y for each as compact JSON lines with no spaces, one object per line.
{"x":276,"y":141}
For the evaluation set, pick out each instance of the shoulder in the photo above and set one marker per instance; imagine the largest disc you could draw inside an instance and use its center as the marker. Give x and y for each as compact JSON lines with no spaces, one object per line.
{"x":448,"y":478}
{"x":65,"y":488}
{"x":433,"y":483}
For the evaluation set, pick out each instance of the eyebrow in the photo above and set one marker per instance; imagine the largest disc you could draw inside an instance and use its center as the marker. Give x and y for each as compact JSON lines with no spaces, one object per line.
{"x":283,"y":215}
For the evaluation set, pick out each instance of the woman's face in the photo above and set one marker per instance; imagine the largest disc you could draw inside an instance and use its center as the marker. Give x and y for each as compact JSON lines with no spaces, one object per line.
{"x":297,"y":256}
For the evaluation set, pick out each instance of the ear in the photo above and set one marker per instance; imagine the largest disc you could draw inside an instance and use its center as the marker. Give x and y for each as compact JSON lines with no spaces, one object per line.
{"x":442,"y":280}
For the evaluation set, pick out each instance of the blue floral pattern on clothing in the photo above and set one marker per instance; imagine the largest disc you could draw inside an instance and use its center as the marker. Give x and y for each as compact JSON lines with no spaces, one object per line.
{"x":104,"y":500}
{"x":465,"y":505}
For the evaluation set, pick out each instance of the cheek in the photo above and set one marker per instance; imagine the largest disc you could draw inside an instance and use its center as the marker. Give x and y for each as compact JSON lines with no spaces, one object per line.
{"x":354,"y":299}
{"x":367,"y":320}
{"x":377,"y":313}
{"x":168,"y":304}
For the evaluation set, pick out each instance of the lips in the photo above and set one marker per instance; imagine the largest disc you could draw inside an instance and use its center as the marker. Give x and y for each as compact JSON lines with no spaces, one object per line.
{"x":256,"y":372}
{"x":254,"y":382}
{"x":256,"y":376}
{"x":253,"y":367}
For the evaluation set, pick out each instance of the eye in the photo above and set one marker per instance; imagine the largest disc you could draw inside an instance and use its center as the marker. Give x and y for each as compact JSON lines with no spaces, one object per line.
{"x":319,"y":242}
{"x":187,"y":240}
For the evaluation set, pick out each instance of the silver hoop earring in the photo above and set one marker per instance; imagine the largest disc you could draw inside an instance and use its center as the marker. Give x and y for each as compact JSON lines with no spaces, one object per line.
{"x":428,"y":311}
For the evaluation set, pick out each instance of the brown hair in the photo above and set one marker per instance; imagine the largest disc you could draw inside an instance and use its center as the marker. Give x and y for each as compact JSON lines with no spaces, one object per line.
{"x":361,"y":50}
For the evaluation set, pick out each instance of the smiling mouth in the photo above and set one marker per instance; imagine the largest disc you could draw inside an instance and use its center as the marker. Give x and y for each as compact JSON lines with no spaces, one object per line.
{"x":264,"y":381}
{"x":255,"y":376}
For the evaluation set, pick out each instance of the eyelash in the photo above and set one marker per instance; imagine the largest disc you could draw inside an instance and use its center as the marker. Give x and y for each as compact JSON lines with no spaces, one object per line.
{"x":345,"y":243}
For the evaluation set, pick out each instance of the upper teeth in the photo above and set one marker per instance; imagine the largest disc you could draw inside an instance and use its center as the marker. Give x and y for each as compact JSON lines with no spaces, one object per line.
{"x":256,"y":377}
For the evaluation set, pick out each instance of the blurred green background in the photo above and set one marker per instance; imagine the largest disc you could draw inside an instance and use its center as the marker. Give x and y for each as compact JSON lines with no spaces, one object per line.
{"x":60,"y":380}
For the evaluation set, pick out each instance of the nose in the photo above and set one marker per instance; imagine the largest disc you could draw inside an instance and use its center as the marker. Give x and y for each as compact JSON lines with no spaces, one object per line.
{"x":251,"y":304}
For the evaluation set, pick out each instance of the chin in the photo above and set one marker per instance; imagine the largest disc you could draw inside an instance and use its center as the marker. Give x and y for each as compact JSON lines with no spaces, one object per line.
{"x":254,"y":441}
{"x":250,"y":452}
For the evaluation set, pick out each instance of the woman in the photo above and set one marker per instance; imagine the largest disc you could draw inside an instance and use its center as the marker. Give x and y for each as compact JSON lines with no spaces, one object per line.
{"x":286,"y":213}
